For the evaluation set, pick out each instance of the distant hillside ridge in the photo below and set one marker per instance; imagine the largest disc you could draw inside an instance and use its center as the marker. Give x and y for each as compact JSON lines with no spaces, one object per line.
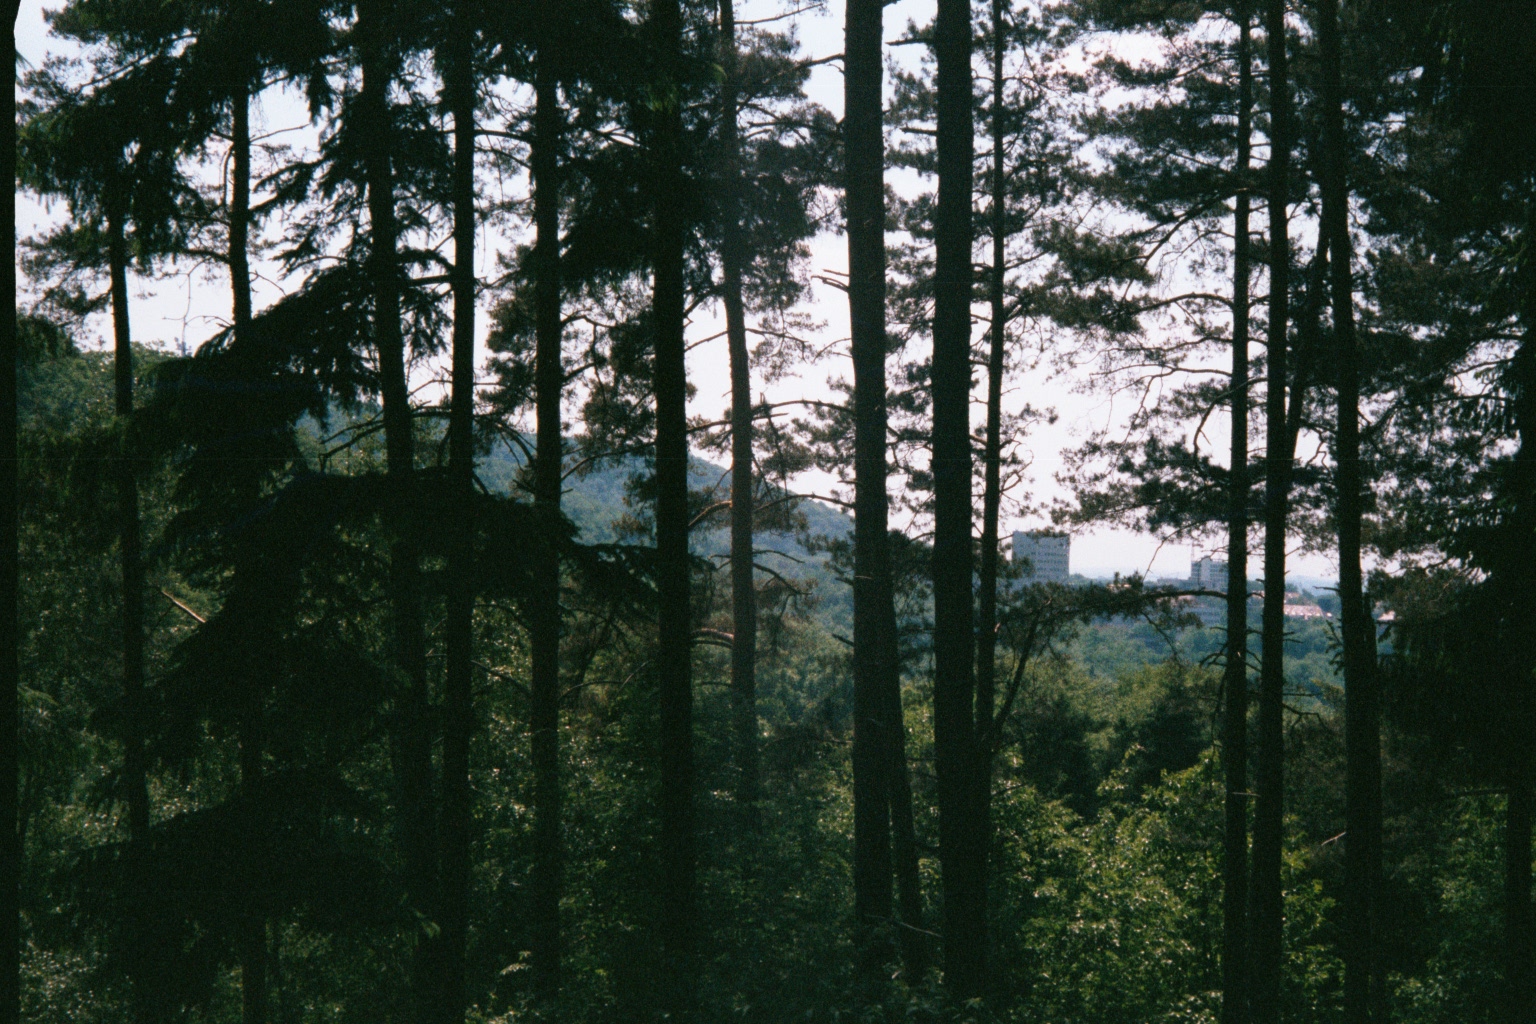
{"x":595,"y":500}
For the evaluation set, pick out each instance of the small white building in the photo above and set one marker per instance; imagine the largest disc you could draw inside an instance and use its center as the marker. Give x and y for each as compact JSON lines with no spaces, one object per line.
{"x":1049,"y":555}
{"x":1209,"y":574}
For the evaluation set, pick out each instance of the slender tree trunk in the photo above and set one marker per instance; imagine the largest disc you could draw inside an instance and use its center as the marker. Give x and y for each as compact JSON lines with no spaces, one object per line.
{"x":252,"y":928}
{"x":240,"y":209}
{"x":1518,"y":922}
{"x":1234,"y":749}
{"x":1267,"y":902}
{"x":874,"y":667}
{"x":252,"y":937}
{"x":549,"y":380}
{"x":458,"y":695}
{"x":962,"y":844}
{"x":131,"y":560}
{"x":412,"y":728}
{"x":130,"y":550}
{"x":10,"y":857}
{"x":891,"y":832}
{"x":992,"y":495}
{"x":1362,"y":733}
{"x":743,"y":589}
{"x":674,"y":664}
{"x":1515,"y":575}
{"x":909,"y":892}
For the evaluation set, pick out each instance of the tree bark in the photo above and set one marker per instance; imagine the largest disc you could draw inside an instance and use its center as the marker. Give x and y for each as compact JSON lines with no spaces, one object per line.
{"x":992,"y":494}
{"x":911,"y":932}
{"x":130,"y":550}
{"x":743,"y":588}
{"x":458,"y":715}
{"x":131,"y":560}
{"x":413,"y":732}
{"x":1362,"y":733}
{"x":962,"y":845}
{"x":252,"y":937}
{"x":674,"y":668}
{"x":240,"y":208}
{"x":1515,"y":575}
{"x":1518,"y":921}
{"x":1267,"y":905}
{"x":549,"y":380}
{"x":10,"y":669}
{"x":874,"y":666}
{"x":1234,"y":749}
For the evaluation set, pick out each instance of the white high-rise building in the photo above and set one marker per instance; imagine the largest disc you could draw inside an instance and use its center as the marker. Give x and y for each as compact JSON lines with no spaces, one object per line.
{"x":1209,"y":574}
{"x":1049,"y":555}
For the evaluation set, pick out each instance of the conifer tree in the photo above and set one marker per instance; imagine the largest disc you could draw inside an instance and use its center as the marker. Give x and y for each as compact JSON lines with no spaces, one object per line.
{"x":10,"y":678}
{"x":253,"y":933}
{"x":874,"y":638}
{"x":1267,"y":909}
{"x":1490,"y":78}
{"x":961,"y":834}
{"x":770,"y":163}
{"x":1472,"y":152}
{"x":549,"y":386}
{"x":534,"y":48}
{"x":460,"y":86}
{"x":378,"y":41}
{"x":236,"y":48}
{"x":677,"y":913}
{"x":1176,"y":486}
{"x":743,"y":582}
{"x":997,"y":342}
{"x":129,"y":541}
{"x":1362,"y":732}
{"x":104,"y":152}
{"x":1234,"y":733}
{"x":1022,"y":178}
{"x":1172,"y":201}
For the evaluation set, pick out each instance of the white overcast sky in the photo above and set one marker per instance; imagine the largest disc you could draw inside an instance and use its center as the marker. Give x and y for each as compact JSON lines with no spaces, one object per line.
{"x":189,"y":306}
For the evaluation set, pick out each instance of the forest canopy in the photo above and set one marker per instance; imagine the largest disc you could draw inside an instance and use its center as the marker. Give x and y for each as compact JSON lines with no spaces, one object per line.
{"x":560,"y":569}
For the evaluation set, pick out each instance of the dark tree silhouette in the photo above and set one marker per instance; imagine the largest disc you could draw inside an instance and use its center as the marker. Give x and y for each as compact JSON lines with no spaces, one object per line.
{"x":1234,"y":734}
{"x":549,"y":385}
{"x":1267,"y":908}
{"x":874,"y":623}
{"x":743,"y":584}
{"x":1362,"y":733}
{"x":677,"y":912}
{"x":962,"y":842}
{"x":378,"y":57}
{"x":10,"y":678}
{"x":460,"y":82}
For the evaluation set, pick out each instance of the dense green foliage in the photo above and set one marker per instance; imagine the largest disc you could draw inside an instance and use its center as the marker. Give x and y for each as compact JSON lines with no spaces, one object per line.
{"x":241,"y":733}
{"x":1108,"y":809}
